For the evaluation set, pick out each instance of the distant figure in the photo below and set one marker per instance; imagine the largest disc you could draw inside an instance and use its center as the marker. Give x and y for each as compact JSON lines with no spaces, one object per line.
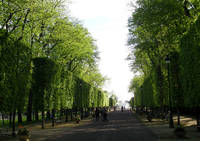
{"x":97,"y":112}
{"x":122,"y":108}
{"x":105,"y":114}
{"x":167,"y":116}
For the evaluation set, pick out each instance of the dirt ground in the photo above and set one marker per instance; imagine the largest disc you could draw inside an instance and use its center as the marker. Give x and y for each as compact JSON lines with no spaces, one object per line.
{"x":36,"y":127}
{"x":124,"y":126}
{"x":164,"y":133}
{"x":121,"y":126}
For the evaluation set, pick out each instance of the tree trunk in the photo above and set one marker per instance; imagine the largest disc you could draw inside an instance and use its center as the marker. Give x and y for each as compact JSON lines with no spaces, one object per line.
{"x":71,"y":114}
{"x":36,"y":116}
{"x":197,"y":115}
{"x":53,"y":117}
{"x":81,"y":113}
{"x":160,"y":85}
{"x":66,"y":115}
{"x":43,"y":120}
{"x":178,"y":111}
{"x":48,"y":115}
{"x":85,"y":112}
{"x":61,"y":113}
{"x":29,"y":107}
{"x":3,"y":119}
{"x":19,"y":117}
{"x":10,"y":120}
{"x":33,"y":116}
{"x":13,"y":124}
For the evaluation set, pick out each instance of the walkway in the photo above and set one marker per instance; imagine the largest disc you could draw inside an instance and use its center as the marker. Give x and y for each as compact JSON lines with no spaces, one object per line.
{"x":122,"y":126}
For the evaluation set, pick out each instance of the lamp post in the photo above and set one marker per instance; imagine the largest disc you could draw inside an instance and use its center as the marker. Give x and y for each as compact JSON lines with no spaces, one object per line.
{"x":171,"y":123}
{"x":142,"y":98}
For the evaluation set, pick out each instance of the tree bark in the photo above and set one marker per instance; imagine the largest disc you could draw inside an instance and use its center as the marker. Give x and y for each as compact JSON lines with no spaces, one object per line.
{"x":19,"y":117}
{"x":43,"y":121}
{"x":82,"y":113}
{"x":10,"y":119}
{"x":48,"y":115}
{"x":36,"y":116}
{"x":61,"y":113}
{"x":29,"y":109}
{"x":160,"y":84}
{"x":71,"y":114}
{"x":178,"y":111}
{"x":197,"y":116}
{"x":13,"y":124}
{"x":66,"y":115}
{"x":3,"y":119}
{"x":53,"y":117}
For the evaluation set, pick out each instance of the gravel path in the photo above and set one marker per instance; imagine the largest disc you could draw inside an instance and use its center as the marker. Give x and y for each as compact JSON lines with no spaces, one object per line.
{"x":122,"y":126}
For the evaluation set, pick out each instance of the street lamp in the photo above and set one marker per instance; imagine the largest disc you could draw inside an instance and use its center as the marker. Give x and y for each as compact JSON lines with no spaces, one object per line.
{"x":142,"y":102}
{"x":171,"y":123}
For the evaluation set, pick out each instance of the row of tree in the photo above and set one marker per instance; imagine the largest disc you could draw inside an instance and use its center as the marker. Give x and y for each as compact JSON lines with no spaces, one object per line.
{"x":48,"y":60}
{"x":161,"y":30}
{"x":113,"y":100}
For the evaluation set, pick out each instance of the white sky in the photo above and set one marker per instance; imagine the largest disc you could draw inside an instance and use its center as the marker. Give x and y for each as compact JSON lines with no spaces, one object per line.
{"x":107,"y":20}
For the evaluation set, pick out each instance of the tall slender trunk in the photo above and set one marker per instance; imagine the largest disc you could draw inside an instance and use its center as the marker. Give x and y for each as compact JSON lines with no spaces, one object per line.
{"x":66,"y":115}
{"x":160,"y":85}
{"x":10,"y":119}
{"x":61,"y":113}
{"x":197,"y":116}
{"x":53,"y":117}
{"x":30,"y":98}
{"x":178,"y":112}
{"x":3,"y":119}
{"x":82,"y":113}
{"x":36,"y":116}
{"x":86,"y":112}
{"x":48,"y":115}
{"x":43,"y":116}
{"x":29,"y":107}
{"x":33,"y":116}
{"x":43,"y":121}
{"x":19,"y":117}
{"x":13,"y":123}
{"x":71,"y":114}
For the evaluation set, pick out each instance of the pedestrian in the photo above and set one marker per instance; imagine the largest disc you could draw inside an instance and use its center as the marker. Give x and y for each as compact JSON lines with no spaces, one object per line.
{"x":105,"y":114}
{"x":122,"y":108}
{"x":97,"y":114}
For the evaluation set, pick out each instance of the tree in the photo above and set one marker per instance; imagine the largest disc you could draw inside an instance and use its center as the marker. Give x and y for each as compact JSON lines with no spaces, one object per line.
{"x":112,"y":100}
{"x":156,"y":28}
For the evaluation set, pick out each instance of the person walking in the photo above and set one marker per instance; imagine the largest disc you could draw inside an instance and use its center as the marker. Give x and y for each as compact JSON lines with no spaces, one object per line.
{"x":97,"y":112}
{"x":105,"y":114}
{"x":122,"y":108}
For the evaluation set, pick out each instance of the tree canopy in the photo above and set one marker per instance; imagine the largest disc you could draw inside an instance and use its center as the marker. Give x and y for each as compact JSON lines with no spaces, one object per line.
{"x":48,"y":60}
{"x":157,"y":29}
